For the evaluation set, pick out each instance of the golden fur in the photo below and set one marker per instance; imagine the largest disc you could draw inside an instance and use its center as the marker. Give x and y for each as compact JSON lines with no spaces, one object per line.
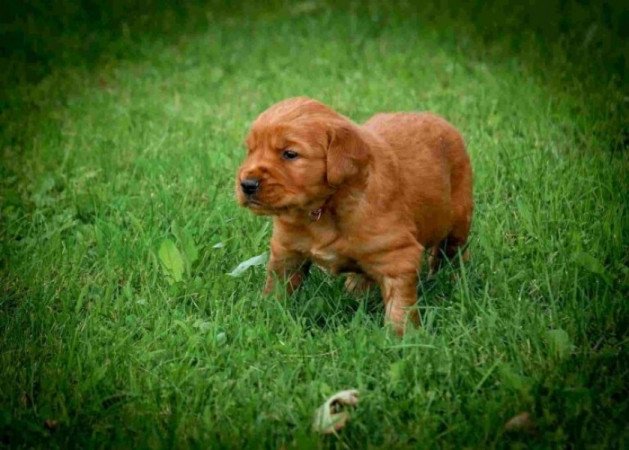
{"x":364,"y":199}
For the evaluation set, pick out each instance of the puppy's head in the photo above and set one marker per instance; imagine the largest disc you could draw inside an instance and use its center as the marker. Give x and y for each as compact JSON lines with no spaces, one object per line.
{"x":299,"y":152}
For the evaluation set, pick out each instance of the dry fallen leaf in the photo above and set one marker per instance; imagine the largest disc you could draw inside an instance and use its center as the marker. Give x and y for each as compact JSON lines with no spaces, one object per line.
{"x":51,"y":424}
{"x":520,"y":422}
{"x":329,"y":418}
{"x":25,"y":399}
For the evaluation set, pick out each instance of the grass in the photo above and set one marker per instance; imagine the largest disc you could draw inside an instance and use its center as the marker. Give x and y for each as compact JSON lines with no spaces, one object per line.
{"x":122,"y":132}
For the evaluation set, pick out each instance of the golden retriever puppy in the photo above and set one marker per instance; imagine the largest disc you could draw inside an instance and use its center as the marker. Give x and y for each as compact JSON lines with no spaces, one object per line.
{"x":361,"y":199}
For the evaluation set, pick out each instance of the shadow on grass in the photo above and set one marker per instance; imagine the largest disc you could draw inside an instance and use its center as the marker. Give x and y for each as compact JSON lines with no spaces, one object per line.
{"x":571,"y":46}
{"x":323,"y":304}
{"x":39,"y":36}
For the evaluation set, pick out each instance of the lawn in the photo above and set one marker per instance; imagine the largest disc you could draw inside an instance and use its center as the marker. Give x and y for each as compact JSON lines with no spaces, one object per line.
{"x":121,"y":131}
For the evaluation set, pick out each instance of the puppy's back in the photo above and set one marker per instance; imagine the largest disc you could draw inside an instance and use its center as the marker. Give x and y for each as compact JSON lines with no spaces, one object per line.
{"x":412,"y":134}
{"x":423,"y":142}
{"x":434,"y":166}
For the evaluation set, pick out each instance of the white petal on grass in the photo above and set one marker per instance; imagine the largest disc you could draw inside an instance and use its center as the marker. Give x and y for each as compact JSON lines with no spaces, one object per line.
{"x":218,"y":245}
{"x":243,"y":266}
{"x":328,"y":417}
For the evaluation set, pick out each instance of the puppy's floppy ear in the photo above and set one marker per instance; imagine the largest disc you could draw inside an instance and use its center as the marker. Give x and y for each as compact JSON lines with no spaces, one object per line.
{"x":347,"y":152}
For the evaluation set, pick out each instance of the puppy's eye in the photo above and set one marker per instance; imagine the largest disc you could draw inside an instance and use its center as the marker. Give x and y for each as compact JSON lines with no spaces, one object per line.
{"x":290,"y":154}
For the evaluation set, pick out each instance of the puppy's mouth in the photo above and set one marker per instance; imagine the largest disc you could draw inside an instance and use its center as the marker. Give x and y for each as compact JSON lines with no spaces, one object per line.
{"x":273,"y":201}
{"x":254,"y":204}
{"x":260,"y":208}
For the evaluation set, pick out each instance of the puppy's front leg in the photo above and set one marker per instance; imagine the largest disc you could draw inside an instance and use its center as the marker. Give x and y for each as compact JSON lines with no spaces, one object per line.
{"x":289,"y":267}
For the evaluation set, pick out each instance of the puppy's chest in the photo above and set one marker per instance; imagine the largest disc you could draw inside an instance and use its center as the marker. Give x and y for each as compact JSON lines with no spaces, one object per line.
{"x":332,"y":256}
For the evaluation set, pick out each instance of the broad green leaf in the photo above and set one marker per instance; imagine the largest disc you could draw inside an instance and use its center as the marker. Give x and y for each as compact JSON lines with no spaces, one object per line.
{"x":559,"y":342}
{"x":396,"y":371}
{"x":591,"y":264}
{"x":186,"y":243}
{"x":221,"y":338}
{"x":171,"y":260}
{"x":201,"y":325}
{"x":189,"y":247}
{"x":511,"y":379}
{"x":251,"y":262}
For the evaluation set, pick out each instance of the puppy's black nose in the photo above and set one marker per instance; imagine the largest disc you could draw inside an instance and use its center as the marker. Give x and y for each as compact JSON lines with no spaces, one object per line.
{"x":250,"y":185}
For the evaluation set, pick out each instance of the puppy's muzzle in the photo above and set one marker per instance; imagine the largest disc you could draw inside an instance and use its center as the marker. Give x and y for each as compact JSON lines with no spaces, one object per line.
{"x":250,"y":186}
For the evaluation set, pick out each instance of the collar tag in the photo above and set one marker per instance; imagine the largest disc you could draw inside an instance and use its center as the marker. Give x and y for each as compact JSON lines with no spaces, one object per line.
{"x":315,"y":214}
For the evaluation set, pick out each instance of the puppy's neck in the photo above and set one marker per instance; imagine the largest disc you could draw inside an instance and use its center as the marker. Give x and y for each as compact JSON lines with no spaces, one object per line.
{"x":309,"y":215}
{"x":326,"y":213}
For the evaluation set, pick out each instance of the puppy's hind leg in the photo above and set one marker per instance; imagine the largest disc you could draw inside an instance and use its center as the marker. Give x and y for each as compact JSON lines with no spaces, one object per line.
{"x":396,"y":273}
{"x":462,"y":210}
{"x":357,"y":283}
{"x":435,"y":258}
{"x":446,"y":249}
{"x":456,"y":241}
